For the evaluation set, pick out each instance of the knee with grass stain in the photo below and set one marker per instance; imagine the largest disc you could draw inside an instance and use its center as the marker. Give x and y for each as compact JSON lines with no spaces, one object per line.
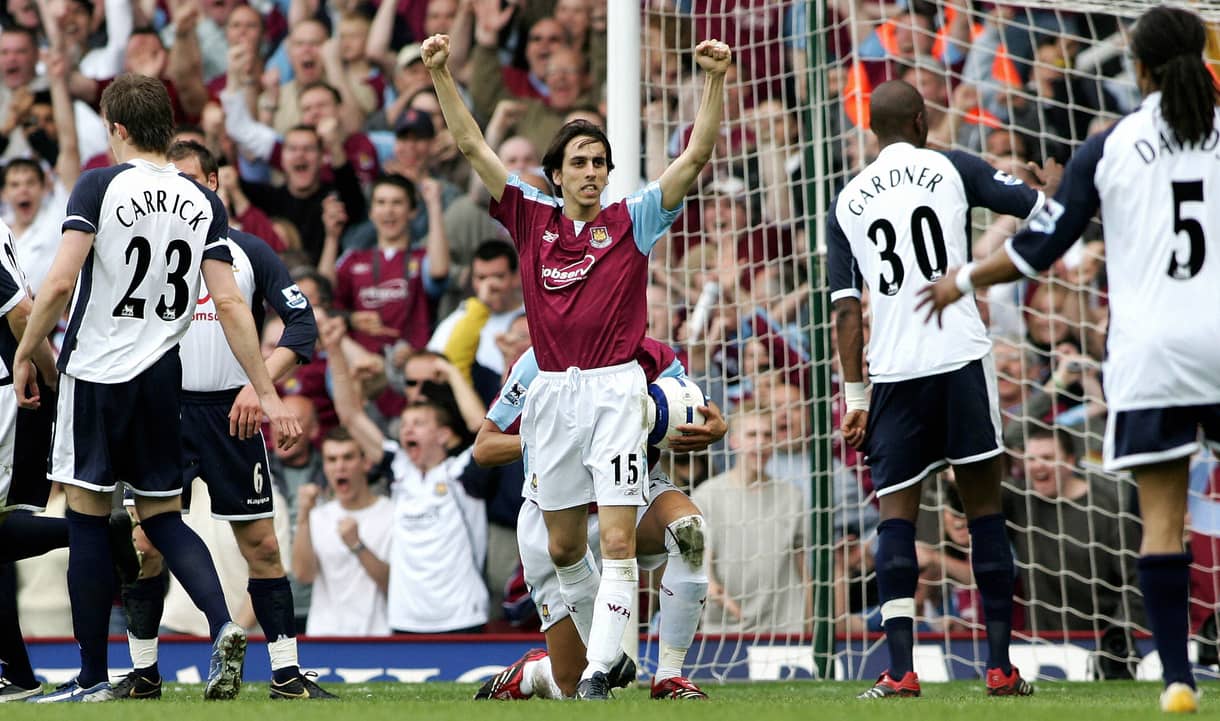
{"x":685,"y":537}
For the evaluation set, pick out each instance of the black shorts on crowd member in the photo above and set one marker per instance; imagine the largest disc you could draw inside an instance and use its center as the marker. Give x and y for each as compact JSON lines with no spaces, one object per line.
{"x":1155,"y":435}
{"x":129,"y":432}
{"x":920,"y":425}
{"x":236,"y":471}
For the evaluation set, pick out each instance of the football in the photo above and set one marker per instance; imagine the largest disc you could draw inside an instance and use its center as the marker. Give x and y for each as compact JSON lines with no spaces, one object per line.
{"x":673,"y":402}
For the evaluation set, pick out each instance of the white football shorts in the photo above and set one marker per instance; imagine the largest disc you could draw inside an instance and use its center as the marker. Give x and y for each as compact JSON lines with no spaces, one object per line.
{"x":585,"y":433}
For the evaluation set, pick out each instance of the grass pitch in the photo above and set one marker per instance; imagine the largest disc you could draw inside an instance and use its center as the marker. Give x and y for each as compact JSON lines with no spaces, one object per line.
{"x":803,"y":701}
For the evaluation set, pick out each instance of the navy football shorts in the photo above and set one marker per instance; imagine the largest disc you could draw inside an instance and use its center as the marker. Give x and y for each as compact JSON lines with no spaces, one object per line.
{"x":1155,"y":435}
{"x":111,"y":432}
{"x":236,"y":471}
{"x":921,"y":425}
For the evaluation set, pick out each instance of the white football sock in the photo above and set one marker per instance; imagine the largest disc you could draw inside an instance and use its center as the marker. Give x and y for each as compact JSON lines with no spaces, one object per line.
{"x":683,"y":592}
{"x":537,"y":680}
{"x":143,"y":651}
{"x":578,"y":585}
{"x":283,"y":652}
{"x":611,"y":613}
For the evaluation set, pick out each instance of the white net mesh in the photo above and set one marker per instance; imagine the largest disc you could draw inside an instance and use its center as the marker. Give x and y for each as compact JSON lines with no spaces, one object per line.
{"x":1014,"y":83}
{"x":738,"y":274}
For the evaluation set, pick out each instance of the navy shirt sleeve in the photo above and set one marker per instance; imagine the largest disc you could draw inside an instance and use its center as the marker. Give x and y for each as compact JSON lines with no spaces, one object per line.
{"x":272,"y":281}
{"x":1060,"y":223}
{"x":215,"y":248}
{"x":12,"y":285}
{"x":845,"y":278}
{"x":994,"y":189}
{"x":85,"y":203}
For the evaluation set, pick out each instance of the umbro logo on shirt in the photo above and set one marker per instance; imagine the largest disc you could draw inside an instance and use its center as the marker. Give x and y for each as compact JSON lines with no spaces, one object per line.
{"x":550,"y":236}
{"x":560,"y":278}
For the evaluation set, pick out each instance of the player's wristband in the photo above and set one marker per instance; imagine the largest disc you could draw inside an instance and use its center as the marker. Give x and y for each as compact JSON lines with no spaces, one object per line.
{"x":357,"y":548}
{"x":963,"y":282}
{"x":856,"y":396}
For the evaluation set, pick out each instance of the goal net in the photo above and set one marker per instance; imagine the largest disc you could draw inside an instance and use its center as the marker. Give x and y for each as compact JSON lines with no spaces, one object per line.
{"x":739,"y":288}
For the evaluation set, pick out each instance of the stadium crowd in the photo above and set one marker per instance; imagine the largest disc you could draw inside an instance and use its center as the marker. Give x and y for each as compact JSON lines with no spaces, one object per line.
{"x":334,"y":151}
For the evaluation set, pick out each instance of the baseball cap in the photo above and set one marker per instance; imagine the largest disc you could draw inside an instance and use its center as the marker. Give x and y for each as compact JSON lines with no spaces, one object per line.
{"x":409,"y":54}
{"x":415,"y":122}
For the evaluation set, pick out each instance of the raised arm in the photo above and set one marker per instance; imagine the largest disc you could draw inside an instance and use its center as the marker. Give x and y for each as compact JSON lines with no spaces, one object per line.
{"x":714,"y":57}
{"x":430,"y":192}
{"x":348,"y":402}
{"x":461,"y":123}
{"x":381,"y":30}
{"x":186,"y":58}
{"x":351,"y":110}
{"x":484,"y":72}
{"x":469,"y":403}
{"x":120,"y":21}
{"x":67,"y":164}
{"x":255,"y":140}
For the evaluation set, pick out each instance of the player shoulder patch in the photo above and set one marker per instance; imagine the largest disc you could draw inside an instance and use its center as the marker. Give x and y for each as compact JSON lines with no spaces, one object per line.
{"x":599,"y":236}
{"x":294,"y":297}
{"x":1045,"y":220}
{"x":1005,"y":178}
{"x":514,"y":394}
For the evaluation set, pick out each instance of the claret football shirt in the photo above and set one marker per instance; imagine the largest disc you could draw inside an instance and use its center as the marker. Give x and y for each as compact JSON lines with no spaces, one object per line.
{"x":584,"y":287}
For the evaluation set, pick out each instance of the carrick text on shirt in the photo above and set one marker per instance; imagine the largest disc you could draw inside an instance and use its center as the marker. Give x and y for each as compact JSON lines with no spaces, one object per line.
{"x":156,"y":202}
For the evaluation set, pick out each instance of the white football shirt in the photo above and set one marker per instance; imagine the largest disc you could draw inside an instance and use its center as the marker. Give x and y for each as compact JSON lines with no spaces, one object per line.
{"x":208,"y":364}
{"x":898,"y":226}
{"x":346,"y":600}
{"x":440,"y":544}
{"x":12,"y":291}
{"x":136,"y":292}
{"x":1161,"y":220}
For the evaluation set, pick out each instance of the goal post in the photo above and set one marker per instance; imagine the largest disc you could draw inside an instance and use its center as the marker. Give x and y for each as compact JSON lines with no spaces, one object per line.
{"x":817,"y":194}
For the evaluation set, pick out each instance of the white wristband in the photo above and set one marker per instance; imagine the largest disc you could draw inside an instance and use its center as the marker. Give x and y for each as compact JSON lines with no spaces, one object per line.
{"x":963,"y":279}
{"x":856,"y":396}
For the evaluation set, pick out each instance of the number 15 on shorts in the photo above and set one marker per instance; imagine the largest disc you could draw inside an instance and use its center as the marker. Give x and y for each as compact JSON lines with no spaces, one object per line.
{"x":630,"y":463}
